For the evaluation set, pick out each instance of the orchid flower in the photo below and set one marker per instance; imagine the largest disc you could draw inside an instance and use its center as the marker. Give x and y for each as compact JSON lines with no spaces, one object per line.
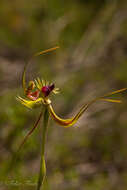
{"x":39,"y":91}
{"x":38,"y":94}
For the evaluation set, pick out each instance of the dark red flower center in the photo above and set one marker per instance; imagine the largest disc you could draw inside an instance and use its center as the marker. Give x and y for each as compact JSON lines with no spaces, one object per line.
{"x":47,"y":89}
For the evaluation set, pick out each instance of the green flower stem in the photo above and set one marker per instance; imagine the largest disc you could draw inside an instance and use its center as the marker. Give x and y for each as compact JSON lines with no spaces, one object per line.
{"x":42,"y":172}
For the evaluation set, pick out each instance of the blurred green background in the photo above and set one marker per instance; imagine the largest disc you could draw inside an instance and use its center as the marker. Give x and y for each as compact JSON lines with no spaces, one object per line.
{"x":91,"y":61}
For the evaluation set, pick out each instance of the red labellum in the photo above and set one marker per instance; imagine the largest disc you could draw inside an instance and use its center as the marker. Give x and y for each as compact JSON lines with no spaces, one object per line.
{"x":33,"y":95}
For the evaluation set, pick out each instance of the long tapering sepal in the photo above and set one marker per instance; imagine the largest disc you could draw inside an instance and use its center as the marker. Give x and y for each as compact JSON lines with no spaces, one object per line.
{"x":73,"y":120}
{"x":26,"y":65}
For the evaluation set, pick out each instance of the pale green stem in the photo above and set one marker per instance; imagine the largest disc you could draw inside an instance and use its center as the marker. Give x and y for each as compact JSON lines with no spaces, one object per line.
{"x":42,"y":172}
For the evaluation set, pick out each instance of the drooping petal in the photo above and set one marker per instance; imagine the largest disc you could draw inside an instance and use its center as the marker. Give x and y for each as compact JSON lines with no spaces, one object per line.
{"x":31,"y":131}
{"x":71,"y":121}
{"x":59,"y":120}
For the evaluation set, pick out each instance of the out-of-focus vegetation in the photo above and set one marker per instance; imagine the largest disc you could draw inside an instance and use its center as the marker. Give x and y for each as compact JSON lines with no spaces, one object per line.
{"x":92,"y":60}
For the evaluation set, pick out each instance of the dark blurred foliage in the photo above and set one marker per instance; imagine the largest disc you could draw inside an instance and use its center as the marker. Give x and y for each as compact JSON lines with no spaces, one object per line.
{"x":92,"y":61}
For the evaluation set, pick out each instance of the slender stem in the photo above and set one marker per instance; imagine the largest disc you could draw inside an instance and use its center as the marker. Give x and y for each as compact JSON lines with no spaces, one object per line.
{"x":42,"y":172}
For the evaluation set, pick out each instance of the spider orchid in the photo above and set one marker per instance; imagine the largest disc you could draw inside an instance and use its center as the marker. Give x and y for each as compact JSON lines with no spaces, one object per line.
{"x":38,"y":94}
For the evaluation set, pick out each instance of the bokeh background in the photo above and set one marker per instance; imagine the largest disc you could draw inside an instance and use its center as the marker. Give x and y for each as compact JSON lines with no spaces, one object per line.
{"x":91,"y":61}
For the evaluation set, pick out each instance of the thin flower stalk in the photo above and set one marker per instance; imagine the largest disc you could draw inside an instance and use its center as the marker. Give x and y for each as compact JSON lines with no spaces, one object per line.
{"x":42,"y":172}
{"x":38,"y":94}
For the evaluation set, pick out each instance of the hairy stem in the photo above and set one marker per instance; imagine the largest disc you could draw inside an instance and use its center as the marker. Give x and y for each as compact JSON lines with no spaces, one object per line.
{"x":42,"y":172}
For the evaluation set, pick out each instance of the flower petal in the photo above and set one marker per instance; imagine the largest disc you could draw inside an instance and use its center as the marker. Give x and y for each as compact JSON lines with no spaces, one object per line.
{"x":24,"y":71}
{"x":73,"y":120}
{"x":29,"y":103}
{"x":111,"y":100}
{"x":31,"y":131}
